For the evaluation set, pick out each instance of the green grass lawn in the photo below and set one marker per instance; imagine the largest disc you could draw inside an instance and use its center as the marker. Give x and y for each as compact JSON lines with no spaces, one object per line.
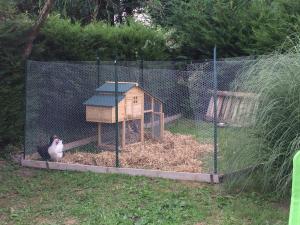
{"x":229,"y":147}
{"x":29,"y":196}
{"x":203,"y":131}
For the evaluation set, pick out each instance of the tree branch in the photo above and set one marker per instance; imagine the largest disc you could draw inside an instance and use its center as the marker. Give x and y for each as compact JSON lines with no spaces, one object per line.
{"x":36,"y":28}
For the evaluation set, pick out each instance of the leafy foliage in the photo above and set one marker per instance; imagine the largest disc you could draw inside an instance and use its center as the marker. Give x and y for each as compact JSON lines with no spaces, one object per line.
{"x":63,"y":40}
{"x":12,"y":32}
{"x":60,"y":39}
{"x":237,"y":27}
{"x":87,"y":11}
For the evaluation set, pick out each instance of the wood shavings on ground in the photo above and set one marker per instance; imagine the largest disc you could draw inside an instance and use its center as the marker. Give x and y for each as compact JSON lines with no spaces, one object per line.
{"x":176,"y":152}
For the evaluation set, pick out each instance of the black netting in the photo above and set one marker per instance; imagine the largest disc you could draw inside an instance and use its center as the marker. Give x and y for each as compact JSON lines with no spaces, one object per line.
{"x":55,"y":93}
{"x":178,"y":105}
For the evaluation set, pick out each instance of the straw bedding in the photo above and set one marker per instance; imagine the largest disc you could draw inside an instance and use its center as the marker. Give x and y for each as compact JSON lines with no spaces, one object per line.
{"x":176,"y":152}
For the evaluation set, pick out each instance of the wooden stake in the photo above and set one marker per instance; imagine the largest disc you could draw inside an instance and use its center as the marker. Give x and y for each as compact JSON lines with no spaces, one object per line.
{"x":123,"y":143}
{"x":162,"y":121}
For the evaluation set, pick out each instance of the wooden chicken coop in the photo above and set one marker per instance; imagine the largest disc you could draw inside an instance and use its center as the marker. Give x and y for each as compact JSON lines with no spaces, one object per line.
{"x":133,"y":104}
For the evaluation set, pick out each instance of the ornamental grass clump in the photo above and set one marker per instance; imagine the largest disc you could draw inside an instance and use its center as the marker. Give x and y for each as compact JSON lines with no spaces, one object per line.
{"x":276,"y":131}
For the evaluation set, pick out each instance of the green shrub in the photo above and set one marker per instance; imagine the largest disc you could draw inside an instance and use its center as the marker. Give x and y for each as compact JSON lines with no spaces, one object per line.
{"x":60,"y":39}
{"x":13,"y":28}
{"x":237,"y":27}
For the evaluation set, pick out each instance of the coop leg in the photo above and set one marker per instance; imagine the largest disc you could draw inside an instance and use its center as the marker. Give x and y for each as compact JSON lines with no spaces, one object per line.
{"x":99,"y":134}
{"x":123,"y":134}
{"x":142,"y":130}
{"x":152,"y":118}
{"x":162,"y":125}
{"x":152,"y":124}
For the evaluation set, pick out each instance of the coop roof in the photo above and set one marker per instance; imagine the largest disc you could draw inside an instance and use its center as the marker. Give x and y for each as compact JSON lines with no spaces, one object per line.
{"x":103,"y":100}
{"x":122,"y":88}
{"x":110,"y":87}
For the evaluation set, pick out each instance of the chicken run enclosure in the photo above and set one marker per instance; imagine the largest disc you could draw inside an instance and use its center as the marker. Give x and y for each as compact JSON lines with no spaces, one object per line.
{"x":153,"y":117}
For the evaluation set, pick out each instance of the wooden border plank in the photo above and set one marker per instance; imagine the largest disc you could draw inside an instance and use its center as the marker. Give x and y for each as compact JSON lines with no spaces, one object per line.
{"x":200,"y":177}
{"x":33,"y":163}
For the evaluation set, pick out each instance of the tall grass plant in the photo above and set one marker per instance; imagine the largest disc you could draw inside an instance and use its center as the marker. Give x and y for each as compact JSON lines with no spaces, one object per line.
{"x":276,"y":133}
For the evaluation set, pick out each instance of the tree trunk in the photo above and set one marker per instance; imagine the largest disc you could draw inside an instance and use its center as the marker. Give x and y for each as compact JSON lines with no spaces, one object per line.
{"x":96,"y":10}
{"x":36,"y":28}
{"x":120,"y":12}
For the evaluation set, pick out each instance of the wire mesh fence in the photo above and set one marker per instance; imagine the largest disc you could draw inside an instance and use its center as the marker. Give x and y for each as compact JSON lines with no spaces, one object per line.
{"x":166,"y":116}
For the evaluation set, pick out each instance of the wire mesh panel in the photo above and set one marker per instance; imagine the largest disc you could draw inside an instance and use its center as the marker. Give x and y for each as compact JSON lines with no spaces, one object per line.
{"x":107,"y":136}
{"x":55,"y":93}
{"x":133,"y":132}
{"x":200,"y":84}
{"x":236,"y":114}
{"x":157,"y":133}
{"x":163,"y":84}
{"x":163,"y":123}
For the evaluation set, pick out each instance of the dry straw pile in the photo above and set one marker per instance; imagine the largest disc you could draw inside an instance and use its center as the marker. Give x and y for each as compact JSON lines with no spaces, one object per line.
{"x":176,"y":152}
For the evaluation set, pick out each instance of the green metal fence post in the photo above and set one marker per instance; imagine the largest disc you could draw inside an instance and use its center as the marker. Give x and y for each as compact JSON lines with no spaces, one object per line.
{"x":142,"y":73}
{"x":215,"y":113}
{"x":25,"y":108}
{"x":116,"y":113}
{"x":98,"y":68}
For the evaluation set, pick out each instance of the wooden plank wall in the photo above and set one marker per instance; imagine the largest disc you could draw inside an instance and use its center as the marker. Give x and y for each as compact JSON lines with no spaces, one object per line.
{"x":233,"y":108}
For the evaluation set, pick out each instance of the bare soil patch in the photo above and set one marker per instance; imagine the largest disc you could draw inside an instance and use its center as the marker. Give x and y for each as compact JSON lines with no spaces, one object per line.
{"x":70,"y":221}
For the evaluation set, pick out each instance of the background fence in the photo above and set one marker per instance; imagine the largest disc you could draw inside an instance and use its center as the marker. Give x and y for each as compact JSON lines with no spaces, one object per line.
{"x":56,"y":91}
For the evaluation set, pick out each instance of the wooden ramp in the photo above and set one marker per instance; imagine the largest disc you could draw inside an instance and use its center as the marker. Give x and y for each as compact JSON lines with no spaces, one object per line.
{"x":233,"y":108}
